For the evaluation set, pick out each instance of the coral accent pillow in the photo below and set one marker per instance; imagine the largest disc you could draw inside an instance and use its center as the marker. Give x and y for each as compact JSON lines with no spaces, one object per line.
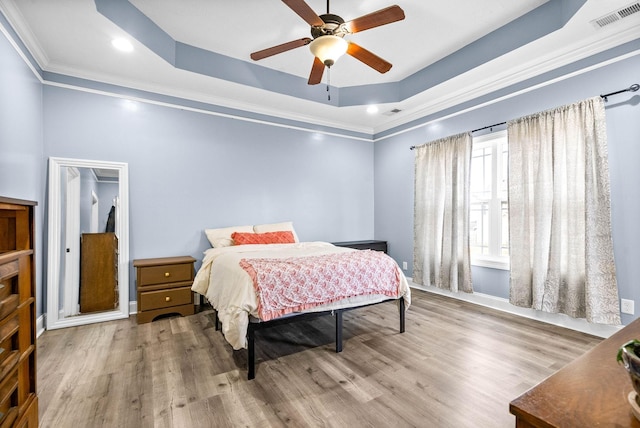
{"x":281,"y":237}
{"x":275,"y":227}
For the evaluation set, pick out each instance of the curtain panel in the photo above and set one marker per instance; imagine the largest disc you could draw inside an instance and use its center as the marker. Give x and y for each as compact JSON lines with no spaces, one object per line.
{"x":559,"y":213}
{"x":441,"y":214}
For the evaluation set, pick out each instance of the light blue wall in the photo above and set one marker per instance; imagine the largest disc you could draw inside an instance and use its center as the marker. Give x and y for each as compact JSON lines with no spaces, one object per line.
{"x":22,"y":167}
{"x":394,"y":169}
{"x":189,"y":171}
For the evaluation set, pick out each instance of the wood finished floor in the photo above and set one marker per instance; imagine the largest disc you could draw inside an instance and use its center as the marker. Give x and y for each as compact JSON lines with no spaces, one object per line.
{"x":457,"y":365}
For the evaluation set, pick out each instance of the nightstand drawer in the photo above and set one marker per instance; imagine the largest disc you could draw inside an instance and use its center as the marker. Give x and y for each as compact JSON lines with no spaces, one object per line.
{"x":165,"y":274}
{"x":165,"y":298}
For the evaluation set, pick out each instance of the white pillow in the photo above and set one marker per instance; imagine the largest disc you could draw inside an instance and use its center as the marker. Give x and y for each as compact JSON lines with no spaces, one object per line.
{"x":276,"y":227}
{"x":222,"y":237}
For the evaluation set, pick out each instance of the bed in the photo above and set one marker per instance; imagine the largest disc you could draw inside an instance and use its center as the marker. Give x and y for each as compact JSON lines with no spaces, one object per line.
{"x":265,"y":284}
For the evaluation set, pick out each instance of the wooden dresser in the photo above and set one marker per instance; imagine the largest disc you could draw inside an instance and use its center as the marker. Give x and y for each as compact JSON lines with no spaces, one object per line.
{"x":164,"y":286}
{"x":591,"y":391}
{"x":18,"y":399}
{"x":98,"y":272}
{"x":364,"y":245}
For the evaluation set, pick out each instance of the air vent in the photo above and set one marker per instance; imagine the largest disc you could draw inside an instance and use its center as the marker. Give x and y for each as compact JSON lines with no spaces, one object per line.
{"x":616,"y":16}
{"x":392,"y":112}
{"x":629,"y":10}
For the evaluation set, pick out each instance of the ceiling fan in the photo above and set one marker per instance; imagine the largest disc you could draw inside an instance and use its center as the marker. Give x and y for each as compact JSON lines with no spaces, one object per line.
{"x":328,"y":42}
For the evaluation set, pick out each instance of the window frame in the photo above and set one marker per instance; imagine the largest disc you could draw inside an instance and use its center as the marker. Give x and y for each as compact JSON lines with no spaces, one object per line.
{"x":494,"y":259}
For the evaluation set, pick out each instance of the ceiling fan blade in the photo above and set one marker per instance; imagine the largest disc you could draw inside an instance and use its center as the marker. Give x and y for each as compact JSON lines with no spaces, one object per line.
{"x":280,"y":48}
{"x":369,"y":58}
{"x":375,"y":19}
{"x":316,"y":72}
{"x":305,"y":12}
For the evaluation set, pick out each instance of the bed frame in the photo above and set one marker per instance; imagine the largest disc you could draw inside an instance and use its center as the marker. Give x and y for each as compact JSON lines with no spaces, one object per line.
{"x":255,"y":324}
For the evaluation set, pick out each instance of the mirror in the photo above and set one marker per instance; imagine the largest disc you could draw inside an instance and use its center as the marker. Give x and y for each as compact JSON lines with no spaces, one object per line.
{"x":88,"y":248}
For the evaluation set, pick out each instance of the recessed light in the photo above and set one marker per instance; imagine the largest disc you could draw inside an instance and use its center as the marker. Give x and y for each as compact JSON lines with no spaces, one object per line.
{"x":123,"y":45}
{"x":130,"y":105}
{"x":372,"y":109}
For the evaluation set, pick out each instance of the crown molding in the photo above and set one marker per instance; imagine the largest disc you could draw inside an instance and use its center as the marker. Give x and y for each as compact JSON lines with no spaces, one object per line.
{"x":24,"y":33}
{"x":517,"y":74}
{"x":212,"y":100}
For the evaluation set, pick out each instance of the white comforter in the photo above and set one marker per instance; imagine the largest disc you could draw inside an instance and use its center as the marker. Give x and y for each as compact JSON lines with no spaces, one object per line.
{"x":231,"y":292}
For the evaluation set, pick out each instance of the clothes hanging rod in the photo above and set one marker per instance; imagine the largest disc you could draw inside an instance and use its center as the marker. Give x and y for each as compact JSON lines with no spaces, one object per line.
{"x":632,"y":88}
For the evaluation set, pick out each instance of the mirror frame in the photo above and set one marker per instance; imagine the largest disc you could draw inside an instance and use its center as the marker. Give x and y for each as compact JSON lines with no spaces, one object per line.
{"x":53,"y":321}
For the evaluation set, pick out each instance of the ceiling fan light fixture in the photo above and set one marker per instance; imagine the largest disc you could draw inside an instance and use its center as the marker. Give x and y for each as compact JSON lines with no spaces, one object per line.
{"x":328,"y":48}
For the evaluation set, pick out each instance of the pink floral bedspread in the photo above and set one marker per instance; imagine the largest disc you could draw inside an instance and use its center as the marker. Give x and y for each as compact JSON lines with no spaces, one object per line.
{"x":297,"y":283}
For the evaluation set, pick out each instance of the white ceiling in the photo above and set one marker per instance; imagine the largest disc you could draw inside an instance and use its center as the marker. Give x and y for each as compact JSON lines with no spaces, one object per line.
{"x":71,"y":37}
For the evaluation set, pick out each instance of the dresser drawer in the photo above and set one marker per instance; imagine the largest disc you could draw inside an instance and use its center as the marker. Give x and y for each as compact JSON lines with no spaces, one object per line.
{"x":165,"y":298}
{"x":9,"y":336}
{"x":8,"y":387}
{"x":165,"y":274}
{"x":9,"y":269}
{"x":8,"y":305}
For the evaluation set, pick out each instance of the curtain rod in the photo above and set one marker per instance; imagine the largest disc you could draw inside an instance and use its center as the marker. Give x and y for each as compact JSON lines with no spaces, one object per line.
{"x":632,"y":88}
{"x":476,"y":130}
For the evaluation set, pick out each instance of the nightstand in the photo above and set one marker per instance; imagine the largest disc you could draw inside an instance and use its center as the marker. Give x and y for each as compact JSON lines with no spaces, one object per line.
{"x":364,"y":245}
{"x":164,"y":287}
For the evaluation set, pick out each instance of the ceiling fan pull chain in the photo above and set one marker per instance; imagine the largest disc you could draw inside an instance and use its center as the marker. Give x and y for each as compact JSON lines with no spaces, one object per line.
{"x":328,"y":83}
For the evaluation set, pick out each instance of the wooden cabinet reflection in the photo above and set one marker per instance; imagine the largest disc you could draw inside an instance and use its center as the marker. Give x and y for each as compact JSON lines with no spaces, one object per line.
{"x":98,"y":272}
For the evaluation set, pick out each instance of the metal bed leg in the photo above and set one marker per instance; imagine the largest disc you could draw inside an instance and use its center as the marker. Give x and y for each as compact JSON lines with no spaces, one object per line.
{"x":338,"y":314}
{"x":402,"y":311}
{"x":217,"y":320}
{"x":252,"y":327}
{"x":251,"y":357}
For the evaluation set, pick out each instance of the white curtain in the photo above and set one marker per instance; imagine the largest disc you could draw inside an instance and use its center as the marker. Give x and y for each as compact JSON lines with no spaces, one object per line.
{"x":559,"y":213}
{"x":441,"y":214}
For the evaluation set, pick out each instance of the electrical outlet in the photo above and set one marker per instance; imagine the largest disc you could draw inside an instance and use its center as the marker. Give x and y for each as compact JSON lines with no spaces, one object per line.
{"x":627,"y":306}
{"x":404,"y":265}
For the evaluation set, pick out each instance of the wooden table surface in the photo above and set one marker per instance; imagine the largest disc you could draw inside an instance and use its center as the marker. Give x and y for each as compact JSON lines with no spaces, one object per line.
{"x":589,"y":392}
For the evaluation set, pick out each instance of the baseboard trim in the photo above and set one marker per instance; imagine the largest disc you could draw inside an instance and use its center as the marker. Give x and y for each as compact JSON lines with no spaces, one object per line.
{"x":40,"y":321}
{"x":500,"y":304}
{"x":40,"y":325}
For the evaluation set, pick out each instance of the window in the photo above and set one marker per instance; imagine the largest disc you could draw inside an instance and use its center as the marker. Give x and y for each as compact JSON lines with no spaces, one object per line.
{"x":489,"y":213}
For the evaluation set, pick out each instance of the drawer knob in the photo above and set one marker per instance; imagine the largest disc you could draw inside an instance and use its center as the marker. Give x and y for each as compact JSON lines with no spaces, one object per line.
{"x":167,"y":274}
{"x":167,"y":299}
